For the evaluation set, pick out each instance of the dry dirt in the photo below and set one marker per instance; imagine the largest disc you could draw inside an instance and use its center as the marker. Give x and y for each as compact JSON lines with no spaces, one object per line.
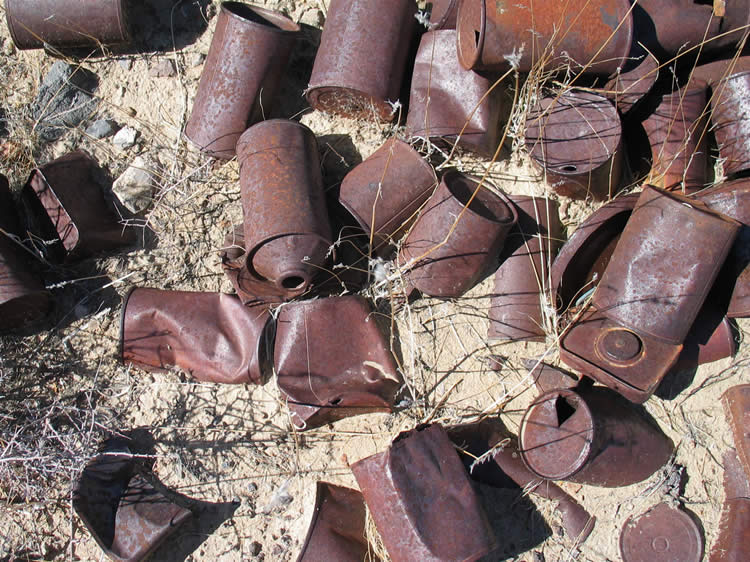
{"x":232,"y":445}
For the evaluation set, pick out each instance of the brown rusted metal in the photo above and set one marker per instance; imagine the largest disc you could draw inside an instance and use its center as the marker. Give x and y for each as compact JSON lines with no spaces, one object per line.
{"x":67,"y":23}
{"x":332,"y":361}
{"x":522,"y":282}
{"x":448,"y":104}
{"x":591,"y":436}
{"x":576,"y":138}
{"x":384,"y":193}
{"x":737,"y":409}
{"x":287,"y":233}
{"x":672,"y":26}
{"x":714,"y":72}
{"x":474,"y":232}
{"x":596,"y":35}
{"x":662,"y":533}
{"x":730,"y":117}
{"x":337,"y":529}
{"x":628,"y":86}
{"x":443,"y":14}
{"x":548,"y":377}
{"x":212,"y":336}
{"x":422,"y":501}
{"x":127,"y":517}
{"x":677,"y":133}
{"x":65,"y":202}
{"x":733,"y":542}
{"x":360,"y":63}
{"x":713,"y":336}
{"x":245,"y":63}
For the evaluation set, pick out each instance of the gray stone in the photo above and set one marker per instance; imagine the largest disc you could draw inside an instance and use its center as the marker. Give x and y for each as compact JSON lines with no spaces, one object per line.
{"x":125,"y":138}
{"x":163,"y":69}
{"x":127,"y":64}
{"x":135,"y":187}
{"x":102,"y":128}
{"x":64,"y":100}
{"x":196,"y":59}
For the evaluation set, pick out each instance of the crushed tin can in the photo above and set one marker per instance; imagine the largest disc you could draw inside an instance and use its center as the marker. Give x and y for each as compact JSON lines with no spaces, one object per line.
{"x":443,"y":14}
{"x":591,"y":436}
{"x":650,"y":294}
{"x":287,"y":231}
{"x":385,"y":192}
{"x":737,"y":410}
{"x":548,"y":377}
{"x":492,"y":35}
{"x":64,"y":203}
{"x":422,"y":501}
{"x":733,"y":542}
{"x":362,"y":57}
{"x":730,"y":119}
{"x":522,"y":282}
{"x":677,"y":132}
{"x":211,"y":336}
{"x":448,"y":104}
{"x":664,"y":532}
{"x":124,"y":513}
{"x":576,"y":138}
{"x":337,"y":530}
{"x":332,"y":360}
{"x":457,"y":237}
{"x":67,"y":23}
{"x":241,"y":75}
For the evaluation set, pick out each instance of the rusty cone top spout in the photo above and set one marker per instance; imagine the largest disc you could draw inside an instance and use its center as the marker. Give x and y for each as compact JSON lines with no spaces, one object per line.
{"x":663,"y":533}
{"x":67,"y":23}
{"x":422,"y":500}
{"x":592,"y":36}
{"x":287,"y":234}
{"x":249,"y":52}
{"x":576,"y":138}
{"x":481,"y":224}
{"x":361,"y":59}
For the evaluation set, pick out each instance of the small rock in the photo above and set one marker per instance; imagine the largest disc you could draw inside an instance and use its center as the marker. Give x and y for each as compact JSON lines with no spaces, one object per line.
{"x":277,"y":550}
{"x":255,"y":548}
{"x":196,"y":59}
{"x":125,"y":138}
{"x":127,"y":64}
{"x":135,"y":187}
{"x":102,"y":128}
{"x":163,"y":69}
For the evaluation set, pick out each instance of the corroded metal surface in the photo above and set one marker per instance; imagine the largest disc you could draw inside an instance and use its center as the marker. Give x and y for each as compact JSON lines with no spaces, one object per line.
{"x":591,"y":436}
{"x":384,"y":193}
{"x":715,"y":71}
{"x":578,"y":32}
{"x":245,"y":63}
{"x":472,"y":221}
{"x":576,"y":138}
{"x":443,"y":14}
{"x":333,"y":361}
{"x":522,"y":282}
{"x":212,"y":336}
{"x":733,"y":542}
{"x":422,"y":500}
{"x":663,"y":533}
{"x":362,"y":56}
{"x":737,"y":409}
{"x":730,"y":117}
{"x":337,"y":529}
{"x":628,"y":86}
{"x":713,"y":336}
{"x":287,"y":233}
{"x":66,"y":23}
{"x":672,"y":26}
{"x":448,"y":104}
{"x":548,"y":377}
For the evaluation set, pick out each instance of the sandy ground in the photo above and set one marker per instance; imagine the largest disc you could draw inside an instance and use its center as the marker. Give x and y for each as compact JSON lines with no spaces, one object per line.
{"x":232,"y":445}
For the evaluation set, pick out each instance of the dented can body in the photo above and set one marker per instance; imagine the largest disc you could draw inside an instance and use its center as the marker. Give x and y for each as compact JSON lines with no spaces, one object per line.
{"x":730,"y":117}
{"x":245,"y":64}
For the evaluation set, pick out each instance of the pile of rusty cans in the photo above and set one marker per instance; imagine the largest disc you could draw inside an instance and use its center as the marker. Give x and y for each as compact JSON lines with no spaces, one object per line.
{"x":648,"y":284}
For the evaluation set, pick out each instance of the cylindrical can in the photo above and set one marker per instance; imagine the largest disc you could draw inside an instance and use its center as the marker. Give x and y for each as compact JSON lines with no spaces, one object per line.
{"x":249,"y":52}
{"x":628,"y":86}
{"x":443,"y":14}
{"x":384,"y":193}
{"x":677,"y":132}
{"x":730,"y":117}
{"x":576,"y":138}
{"x":591,"y":436}
{"x":362,"y":56}
{"x":522,"y":282}
{"x":673,"y":26}
{"x":596,"y":34}
{"x":736,"y":402}
{"x":457,"y":237}
{"x":449,"y":104}
{"x":287,"y":234}
{"x":66,"y":23}
{"x":665,"y":533}
{"x":712,"y":336}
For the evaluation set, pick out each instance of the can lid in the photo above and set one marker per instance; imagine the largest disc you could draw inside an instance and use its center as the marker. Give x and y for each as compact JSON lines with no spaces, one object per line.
{"x":663,"y":533}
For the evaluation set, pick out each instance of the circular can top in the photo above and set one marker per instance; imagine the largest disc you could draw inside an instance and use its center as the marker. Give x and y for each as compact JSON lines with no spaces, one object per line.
{"x":663,"y":533}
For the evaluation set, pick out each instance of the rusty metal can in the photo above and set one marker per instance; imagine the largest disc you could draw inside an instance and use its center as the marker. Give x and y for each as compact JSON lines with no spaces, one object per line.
{"x":576,"y":137}
{"x":591,"y":436}
{"x":287,"y":233}
{"x":628,"y":86}
{"x":665,"y":533}
{"x":592,"y":36}
{"x":67,"y":23}
{"x":385,"y":192}
{"x":730,"y":118}
{"x":671,"y":26}
{"x":443,"y":14}
{"x":522,"y":282}
{"x":362,"y":57}
{"x":249,"y":52}
{"x":737,"y":410}
{"x":457,"y":237}
{"x":733,"y":542}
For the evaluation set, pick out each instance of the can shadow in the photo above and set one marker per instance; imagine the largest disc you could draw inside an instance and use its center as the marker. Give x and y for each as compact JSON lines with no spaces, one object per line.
{"x":292,"y":102}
